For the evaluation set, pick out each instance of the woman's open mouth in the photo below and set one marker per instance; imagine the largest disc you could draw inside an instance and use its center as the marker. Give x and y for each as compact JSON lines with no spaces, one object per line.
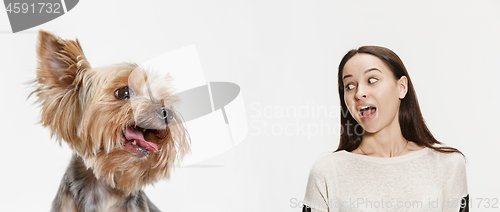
{"x":367,"y":112}
{"x":133,"y":139}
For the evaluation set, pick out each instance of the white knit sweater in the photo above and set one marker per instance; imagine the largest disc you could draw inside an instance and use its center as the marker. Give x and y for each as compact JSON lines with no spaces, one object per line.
{"x":424,"y":180}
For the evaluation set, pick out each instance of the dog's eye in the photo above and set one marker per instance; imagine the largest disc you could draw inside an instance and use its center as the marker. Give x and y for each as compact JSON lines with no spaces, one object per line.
{"x":122,"y":93}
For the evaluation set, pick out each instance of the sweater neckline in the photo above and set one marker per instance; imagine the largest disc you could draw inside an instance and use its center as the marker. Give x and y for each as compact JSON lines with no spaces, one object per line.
{"x":401,"y":158}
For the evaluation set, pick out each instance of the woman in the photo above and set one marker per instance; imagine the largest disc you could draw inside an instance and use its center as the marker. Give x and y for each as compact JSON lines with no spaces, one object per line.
{"x":387,"y":159}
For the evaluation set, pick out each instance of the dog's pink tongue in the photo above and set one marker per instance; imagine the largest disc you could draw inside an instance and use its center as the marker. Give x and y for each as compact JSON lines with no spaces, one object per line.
{"x":131,"y":134}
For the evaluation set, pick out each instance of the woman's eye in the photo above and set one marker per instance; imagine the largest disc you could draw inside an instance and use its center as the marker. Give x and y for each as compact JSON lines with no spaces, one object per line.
{"x":122,"y":93}
{"x":372,"y":80}
{"x":349,"y":87}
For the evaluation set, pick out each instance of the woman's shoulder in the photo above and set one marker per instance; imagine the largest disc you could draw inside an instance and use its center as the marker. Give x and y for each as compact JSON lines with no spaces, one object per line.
{"x":449,"y":156}
{"x":450,"y":159}
{"x":328,"y":160}
{"x":453,"y":172}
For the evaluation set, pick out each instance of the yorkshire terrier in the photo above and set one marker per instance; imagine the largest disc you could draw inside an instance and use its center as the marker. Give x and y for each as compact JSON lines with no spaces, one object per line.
{"x":119,"y":120}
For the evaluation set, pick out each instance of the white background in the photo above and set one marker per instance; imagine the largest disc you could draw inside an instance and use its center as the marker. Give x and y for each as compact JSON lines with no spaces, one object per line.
{"x":284,"y":55}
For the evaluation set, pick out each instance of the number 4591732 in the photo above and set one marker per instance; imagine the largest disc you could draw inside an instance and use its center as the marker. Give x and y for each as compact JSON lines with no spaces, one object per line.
{"x":33,"y":8}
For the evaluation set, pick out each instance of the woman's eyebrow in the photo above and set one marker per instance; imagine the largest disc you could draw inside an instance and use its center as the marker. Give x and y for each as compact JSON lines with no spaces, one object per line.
{"x":371,"y":69}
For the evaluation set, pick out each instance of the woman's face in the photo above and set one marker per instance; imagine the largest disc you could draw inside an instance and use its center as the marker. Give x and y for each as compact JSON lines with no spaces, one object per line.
{"x":371,"y":92}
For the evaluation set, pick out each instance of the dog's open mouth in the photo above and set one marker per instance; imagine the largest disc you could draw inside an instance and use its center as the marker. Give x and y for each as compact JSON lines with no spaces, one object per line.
{"x":133,"y":139}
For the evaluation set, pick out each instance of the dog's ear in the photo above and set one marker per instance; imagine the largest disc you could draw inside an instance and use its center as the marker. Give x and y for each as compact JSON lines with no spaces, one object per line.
{"x":59,"y":61}
{"x":60,"y":70}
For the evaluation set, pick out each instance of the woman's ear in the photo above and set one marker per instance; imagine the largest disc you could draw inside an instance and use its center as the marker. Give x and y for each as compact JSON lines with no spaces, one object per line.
{"x":403,"y":87}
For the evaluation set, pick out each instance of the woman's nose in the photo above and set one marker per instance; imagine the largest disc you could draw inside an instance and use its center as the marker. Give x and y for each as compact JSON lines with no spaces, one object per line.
{"x":360,"y":93}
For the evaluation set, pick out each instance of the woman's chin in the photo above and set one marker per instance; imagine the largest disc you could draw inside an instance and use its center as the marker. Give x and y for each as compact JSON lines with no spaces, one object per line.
{"x":370,"y":129}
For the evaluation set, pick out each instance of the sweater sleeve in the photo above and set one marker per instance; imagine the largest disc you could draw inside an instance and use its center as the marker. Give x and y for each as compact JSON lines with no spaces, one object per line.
{"x":316,"y":198}
{"x":455,"y":192}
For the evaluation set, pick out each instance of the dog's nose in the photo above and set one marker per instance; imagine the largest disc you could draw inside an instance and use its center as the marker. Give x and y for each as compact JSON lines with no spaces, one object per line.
{"x":166,"y":114}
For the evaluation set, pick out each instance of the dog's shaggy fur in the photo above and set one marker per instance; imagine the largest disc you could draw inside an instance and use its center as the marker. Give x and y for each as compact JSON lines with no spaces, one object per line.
{"x":119,"y":120}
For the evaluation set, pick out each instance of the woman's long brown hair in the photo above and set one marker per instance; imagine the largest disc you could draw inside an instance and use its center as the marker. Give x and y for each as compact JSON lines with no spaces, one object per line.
{"x":411,"y":121}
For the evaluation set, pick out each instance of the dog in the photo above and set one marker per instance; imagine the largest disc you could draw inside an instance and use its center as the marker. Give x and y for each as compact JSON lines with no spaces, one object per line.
{"x":119,"y":120}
